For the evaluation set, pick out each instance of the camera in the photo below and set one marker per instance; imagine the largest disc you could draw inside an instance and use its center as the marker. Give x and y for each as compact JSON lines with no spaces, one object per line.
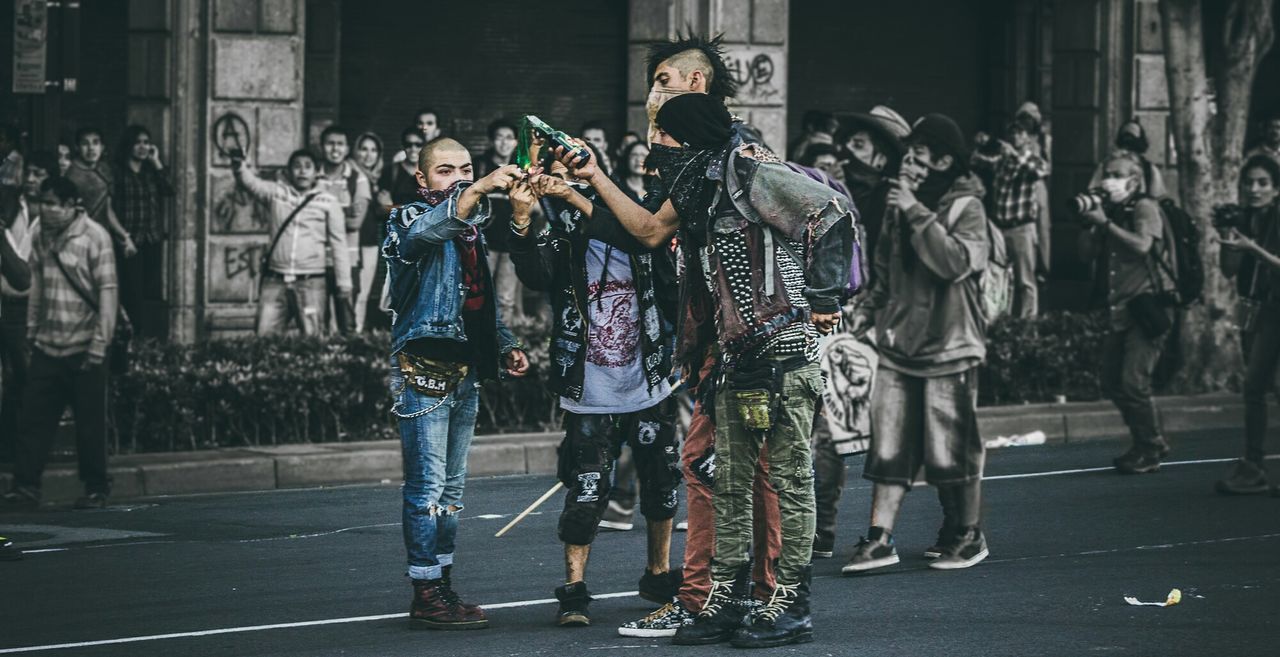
{"x":1229,"y":215}
{"x":1088,"y":201}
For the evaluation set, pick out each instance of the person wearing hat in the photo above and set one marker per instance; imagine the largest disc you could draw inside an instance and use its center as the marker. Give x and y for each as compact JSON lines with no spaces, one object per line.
{"x":872,"y":143}
{"x":931,"y":334}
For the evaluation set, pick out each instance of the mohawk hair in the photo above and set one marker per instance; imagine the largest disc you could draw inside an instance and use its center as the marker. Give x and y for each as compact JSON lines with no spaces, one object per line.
{"x":719,"y":82}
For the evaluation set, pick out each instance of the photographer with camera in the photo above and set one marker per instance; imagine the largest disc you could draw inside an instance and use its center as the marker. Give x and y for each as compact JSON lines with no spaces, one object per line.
{"x":1131,"y":231}
{"x":1250,"y":238}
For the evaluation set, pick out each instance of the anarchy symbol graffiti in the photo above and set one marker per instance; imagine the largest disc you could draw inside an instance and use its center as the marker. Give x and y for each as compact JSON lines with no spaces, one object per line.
{"x":231,"y":135}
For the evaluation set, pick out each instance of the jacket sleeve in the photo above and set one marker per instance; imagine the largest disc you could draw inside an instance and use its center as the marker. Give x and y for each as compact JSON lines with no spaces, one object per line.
{"x":534,"y":259}
{"x":359,"y":203}
{"x":951,"y":253}
{"x":828,"y":273}
{"x":13,"y":267}
{"x":259,"y":189}
{"x":425,"y":230}
{"x":336,"y":233}
{"x":507,"y":340}
{"x":878,"y":295}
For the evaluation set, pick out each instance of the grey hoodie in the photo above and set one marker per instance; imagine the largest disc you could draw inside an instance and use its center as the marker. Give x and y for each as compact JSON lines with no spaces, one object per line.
{"x":929,"y":320}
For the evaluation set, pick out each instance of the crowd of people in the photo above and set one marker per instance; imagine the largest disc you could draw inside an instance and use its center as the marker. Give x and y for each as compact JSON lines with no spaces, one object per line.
{"x":697,"y":262}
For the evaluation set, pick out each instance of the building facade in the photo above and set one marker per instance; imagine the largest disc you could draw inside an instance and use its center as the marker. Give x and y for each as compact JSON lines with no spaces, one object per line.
{"x":265,"y":76}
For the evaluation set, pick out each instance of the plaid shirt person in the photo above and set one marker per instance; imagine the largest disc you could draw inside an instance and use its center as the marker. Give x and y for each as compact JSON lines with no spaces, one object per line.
{"x":59,"y":322}
{"x":1015,"y":189}
{"x":138,"y":203}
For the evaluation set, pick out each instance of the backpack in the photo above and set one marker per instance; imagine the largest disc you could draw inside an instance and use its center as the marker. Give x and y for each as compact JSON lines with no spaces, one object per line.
{"x":1183,"y":235}
{"x":858,"y":265}
{"x":995,"y":281}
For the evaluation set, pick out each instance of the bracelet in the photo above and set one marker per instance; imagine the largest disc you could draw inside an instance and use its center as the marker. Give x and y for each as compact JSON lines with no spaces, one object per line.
{"x":517,"y":228}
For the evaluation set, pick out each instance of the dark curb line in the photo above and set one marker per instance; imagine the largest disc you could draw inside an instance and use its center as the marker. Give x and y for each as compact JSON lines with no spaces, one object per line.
{"x":302,"y":466}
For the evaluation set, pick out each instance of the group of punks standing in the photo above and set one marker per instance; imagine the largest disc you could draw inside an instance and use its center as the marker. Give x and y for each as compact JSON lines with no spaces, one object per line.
{"x":728,"y":269}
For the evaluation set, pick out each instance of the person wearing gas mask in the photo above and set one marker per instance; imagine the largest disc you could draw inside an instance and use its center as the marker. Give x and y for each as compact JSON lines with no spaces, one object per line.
{"x":1132,"y":140}
{"x":931,"y":334}
{"x":1250,"y":238}
{"x":872,"y":144}
{"x":1129,"y":228}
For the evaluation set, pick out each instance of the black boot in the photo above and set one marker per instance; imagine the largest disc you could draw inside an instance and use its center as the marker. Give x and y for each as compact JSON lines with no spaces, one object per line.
{"x":574,"y":601}
{"x":660,"y":589}
{"x":723,"y":613}
{"x":783,"y":620}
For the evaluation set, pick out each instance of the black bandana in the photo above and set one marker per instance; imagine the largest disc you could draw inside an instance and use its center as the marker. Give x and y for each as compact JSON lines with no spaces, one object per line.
{"x":683,"y":174}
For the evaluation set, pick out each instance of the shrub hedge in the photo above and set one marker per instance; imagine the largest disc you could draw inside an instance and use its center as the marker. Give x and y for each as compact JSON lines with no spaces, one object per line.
{"x":279,"y":390}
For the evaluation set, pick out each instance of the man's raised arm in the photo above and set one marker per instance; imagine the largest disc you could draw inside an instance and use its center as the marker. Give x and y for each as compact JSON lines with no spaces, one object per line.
{"x":650,"y":228}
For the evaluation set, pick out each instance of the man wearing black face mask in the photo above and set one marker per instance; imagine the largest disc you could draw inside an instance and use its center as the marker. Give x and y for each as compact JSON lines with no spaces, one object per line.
{"x":931,"y":333}
{"x":873,"y":145}
{"x":1131,"y":141}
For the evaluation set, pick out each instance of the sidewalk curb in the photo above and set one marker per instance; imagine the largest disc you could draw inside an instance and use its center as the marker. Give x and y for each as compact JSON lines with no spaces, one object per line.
{"x":299,"y":466}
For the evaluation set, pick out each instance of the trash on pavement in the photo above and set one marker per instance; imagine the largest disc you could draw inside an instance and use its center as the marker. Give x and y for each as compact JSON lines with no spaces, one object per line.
{"x":1175,"y":596}
{"x":1033,"y":438}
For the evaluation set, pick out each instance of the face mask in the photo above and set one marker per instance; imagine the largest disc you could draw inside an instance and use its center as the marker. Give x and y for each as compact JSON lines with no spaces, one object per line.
{"x":1118,"y":189}
{"x":56,"y":218}
{"x":434,"y":198}
{"x":658,"y":98}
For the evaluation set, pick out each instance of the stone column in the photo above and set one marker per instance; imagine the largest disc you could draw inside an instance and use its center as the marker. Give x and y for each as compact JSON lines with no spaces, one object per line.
{"x":255,"y":60}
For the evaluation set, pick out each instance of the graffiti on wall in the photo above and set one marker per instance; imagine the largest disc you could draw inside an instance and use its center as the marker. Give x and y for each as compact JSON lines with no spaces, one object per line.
{"x":759,"y":73}
{"x":233,"y":276}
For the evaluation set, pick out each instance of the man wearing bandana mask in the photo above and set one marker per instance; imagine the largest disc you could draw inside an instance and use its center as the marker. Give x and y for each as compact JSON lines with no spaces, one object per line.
{"x":759,"y":291}
{"x":931,"y":334}
{"x":695,"y":65}
{"x":1130,"y":226}
{"x":446,"y":337}
{"x":1132,"y":141}
{"x":873,"y":145}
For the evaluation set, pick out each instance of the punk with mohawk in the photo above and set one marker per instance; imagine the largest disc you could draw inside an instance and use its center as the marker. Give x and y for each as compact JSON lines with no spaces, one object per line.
{"x":695,"y":53}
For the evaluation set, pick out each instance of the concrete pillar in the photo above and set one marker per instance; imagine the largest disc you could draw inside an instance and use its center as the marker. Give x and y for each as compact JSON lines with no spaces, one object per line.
{"x":255,"y":59}
{"x":755,"y":33}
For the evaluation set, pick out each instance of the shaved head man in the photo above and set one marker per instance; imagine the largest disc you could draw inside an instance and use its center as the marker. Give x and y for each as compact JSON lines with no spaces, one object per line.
{"x":443,"y":162}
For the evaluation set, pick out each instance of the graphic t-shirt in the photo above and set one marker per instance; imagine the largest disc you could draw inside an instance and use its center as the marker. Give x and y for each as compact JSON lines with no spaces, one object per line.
{"x":613,"y":379}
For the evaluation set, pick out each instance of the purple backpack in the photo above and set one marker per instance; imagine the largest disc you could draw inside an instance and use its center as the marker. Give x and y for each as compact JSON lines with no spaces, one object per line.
{"x":857,"y":264}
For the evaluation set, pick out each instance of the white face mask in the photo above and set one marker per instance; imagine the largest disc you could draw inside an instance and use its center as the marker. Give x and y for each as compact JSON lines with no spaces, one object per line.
{"x":1119,"y":189}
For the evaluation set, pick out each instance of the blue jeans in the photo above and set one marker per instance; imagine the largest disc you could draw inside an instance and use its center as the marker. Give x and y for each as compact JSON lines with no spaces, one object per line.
{"x":435,"y":435}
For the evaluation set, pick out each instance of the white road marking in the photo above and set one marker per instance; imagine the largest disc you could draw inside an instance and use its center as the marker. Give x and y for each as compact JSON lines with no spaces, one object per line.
{"x":278,"y":626}
{"x":1054,"y":473}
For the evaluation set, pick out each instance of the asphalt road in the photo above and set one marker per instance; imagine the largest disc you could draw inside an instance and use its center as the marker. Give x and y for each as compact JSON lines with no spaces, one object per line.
{"x":326,"y":566}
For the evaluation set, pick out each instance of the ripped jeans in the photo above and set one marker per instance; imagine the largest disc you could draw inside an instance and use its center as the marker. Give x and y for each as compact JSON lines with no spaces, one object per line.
{"x":434,"y":446}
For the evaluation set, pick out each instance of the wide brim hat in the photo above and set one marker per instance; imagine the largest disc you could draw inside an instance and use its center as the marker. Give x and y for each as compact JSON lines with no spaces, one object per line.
{"x":883,"y":122}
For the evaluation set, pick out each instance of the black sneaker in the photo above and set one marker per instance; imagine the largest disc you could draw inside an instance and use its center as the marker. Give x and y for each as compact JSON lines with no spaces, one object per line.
{"x":874,"y":551}
{"x":90,"y":501}
{"x":968,"y":550}
{"x":1137,"y":461}
{"x":574,"y":599}
{"x":660,"y":588}
{"x":9,"y":551}
{"x":823,"y":549}
{"x":20,"y":498}
{"x":665,"y":621}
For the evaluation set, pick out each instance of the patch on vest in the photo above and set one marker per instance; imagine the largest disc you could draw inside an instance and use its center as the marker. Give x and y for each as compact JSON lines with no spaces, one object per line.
{"x":588,"y":487}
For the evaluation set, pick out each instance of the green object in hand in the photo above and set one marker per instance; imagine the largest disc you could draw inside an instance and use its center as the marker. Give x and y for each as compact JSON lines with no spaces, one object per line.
{"x":536,"y":135}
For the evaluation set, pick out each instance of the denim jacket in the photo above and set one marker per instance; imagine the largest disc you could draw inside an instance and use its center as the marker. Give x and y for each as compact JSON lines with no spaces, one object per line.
{"x":425,"y":272}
